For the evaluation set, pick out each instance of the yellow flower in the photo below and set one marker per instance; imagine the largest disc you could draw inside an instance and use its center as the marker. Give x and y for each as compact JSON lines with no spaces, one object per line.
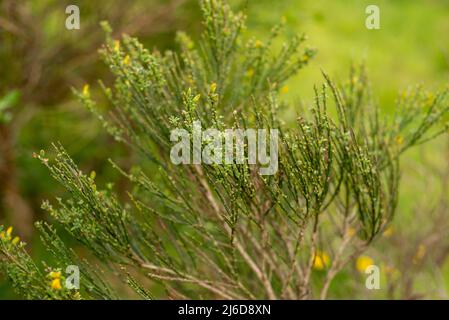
{"x":321,"y":261}
{"x":258,"y":44}
{"x":126,"y":60}
{"x":9,"y":231}
{"x":213,"y":87}
{"x":363,"y":262}
{"x":399,"y":140}
{"x":86,"y":90}
{"x":250,"y":72}
{"x":6,"y":235}
{"x":420,"y":253}
{"x":388,"y":232}
{"x":55,"y":274}
{"x":116,"y":45}
{"x":284,"y":89}
{"x":56,"y":284}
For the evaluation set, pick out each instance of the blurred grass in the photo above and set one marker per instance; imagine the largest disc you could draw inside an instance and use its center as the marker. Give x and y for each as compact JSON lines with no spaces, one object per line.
{"x":41,"y":60}
{"x":410,"y":48}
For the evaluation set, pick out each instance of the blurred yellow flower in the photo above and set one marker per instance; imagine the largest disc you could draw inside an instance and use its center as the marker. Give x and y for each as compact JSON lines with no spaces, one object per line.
{"x":116,"y":45}
{"x":55,"y":274}
{"x":250,"y":72}
{"x":56,"y":284}
{"x":126,"y":60}
{"x":399,"y":140}
{"x":258,"y":44}
{"x":9,"y":231}
{"x":363,"y":262}
{"x":388,"y":232}
{"x":6,"y":235}
{"x":321,"y":260}
{"x":284,"y":89}
{"x":86,"y":90}
{"x":15,"y":240}
{"x":213,"y":87}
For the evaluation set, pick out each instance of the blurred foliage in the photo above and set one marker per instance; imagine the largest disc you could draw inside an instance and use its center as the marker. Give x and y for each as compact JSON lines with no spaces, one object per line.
{"x":8,"y":101}
{"x":40,"y":60}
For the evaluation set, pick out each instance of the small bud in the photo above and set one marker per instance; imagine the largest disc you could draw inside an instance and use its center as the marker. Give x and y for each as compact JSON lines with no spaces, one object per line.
{"x":284,"y":89}
{"x":126,"y":60}
{"x":86,"y":90}
{"x":213,"y":87}
{"x":116,"y":45}
{"x":55,"y":274}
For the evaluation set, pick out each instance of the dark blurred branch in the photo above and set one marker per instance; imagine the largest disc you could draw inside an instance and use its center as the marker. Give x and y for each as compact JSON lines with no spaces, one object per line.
{"x":43,"y":71}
